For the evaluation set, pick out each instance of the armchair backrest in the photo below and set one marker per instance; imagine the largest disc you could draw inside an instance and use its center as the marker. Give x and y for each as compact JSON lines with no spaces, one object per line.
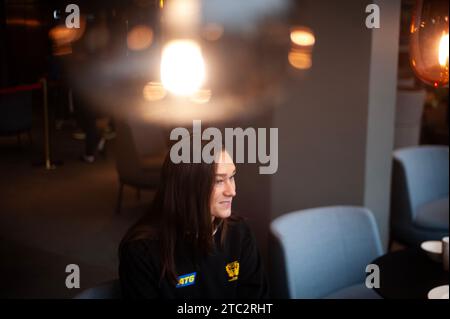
{"x":420,"y":175}
{"x":322,"y":250}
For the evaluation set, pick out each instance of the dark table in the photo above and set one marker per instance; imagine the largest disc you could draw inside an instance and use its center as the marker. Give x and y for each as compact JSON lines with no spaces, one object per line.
{"x":409,"y":274}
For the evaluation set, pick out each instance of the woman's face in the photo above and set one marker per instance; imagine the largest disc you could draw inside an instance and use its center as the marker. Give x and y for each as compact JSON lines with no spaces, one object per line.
{"x":224,"y":187}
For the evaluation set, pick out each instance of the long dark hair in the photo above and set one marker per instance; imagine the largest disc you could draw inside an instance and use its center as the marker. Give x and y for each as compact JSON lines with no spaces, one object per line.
{"x":180,"y":212}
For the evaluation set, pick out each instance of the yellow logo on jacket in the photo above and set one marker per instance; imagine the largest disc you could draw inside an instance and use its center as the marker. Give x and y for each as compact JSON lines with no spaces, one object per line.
{"x":232,"y":270}
{"x":186,"y":280}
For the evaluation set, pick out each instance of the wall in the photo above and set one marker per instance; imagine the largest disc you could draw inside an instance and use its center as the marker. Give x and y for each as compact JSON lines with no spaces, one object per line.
{"x":336,"y":125}
{"x":381,"y":115}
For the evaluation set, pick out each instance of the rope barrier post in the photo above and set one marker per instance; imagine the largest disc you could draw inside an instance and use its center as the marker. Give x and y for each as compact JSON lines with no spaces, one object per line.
{"x":48,"y":163}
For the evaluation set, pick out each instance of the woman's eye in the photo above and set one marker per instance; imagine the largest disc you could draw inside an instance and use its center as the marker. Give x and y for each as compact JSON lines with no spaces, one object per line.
{"x":219,"y":181}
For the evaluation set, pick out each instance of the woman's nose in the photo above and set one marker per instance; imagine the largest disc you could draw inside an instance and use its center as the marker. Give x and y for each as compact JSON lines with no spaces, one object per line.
{"x":230,"y":189}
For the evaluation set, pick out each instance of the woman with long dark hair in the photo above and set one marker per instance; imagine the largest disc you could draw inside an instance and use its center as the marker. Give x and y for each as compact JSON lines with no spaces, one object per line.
{"x":190,"y":245}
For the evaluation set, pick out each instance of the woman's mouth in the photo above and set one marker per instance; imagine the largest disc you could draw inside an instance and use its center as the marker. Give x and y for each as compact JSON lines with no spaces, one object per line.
{"x":225,"y":203}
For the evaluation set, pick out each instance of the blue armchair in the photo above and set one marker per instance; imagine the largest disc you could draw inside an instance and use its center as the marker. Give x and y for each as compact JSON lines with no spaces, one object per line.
{"x":419,"y":199}
{"x":108,"y":290}
{"x":323,"y":253}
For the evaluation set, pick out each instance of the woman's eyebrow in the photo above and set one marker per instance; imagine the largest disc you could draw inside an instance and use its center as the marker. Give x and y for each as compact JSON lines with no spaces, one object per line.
{"x":234,"y":172}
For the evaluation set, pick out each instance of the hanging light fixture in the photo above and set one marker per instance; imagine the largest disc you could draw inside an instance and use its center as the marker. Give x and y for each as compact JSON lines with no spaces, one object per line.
{"x":182,"y":64}
{"x":429,"y":41}
{"x":182,"y":67}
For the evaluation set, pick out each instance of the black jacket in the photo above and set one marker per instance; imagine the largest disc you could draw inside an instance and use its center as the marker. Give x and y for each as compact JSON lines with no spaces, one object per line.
{"x":234,"y":271}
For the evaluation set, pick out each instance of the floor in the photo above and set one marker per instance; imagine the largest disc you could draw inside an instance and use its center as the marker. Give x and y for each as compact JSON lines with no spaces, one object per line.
{"x":52,"y":218}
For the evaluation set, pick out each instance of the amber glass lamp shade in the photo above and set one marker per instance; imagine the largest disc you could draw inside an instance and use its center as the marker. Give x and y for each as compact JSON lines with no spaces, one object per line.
{"x":429,"y":41}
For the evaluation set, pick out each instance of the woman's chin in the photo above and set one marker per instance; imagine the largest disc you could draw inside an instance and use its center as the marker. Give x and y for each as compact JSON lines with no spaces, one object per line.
{"x":224,"y":214}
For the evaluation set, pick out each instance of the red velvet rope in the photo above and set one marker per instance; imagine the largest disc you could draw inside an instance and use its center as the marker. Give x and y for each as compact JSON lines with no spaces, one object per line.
{"x":20,"y":88}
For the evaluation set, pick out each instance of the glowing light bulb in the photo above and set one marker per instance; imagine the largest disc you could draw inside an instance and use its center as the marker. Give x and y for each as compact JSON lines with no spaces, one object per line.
{"x":443,"y":50}
{"x":182,"y":67}
{"x":302,"y":36}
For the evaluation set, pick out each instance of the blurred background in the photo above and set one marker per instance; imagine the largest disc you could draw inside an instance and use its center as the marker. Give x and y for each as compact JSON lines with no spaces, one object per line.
{"x":85,"y":114}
